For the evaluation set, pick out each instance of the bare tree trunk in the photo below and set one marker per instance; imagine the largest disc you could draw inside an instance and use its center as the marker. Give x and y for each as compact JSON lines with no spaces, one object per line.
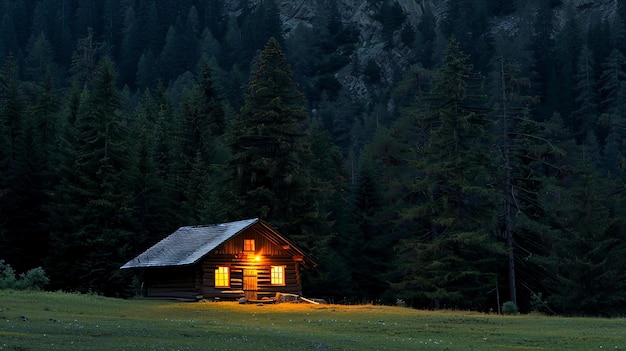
{"x":508,"y":198}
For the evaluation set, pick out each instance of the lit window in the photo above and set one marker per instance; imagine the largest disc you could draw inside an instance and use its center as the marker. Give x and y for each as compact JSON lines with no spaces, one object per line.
{"x":222,"y":277}
{"x":277,"y":275}
{"x":248,"y":245}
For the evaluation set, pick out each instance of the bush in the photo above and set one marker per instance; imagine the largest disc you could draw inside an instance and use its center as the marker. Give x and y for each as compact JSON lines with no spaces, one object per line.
{"x":509,"y":308}
{"x":34,"y":279}
{"x":7,"y":276}
{"x":537,"y":303}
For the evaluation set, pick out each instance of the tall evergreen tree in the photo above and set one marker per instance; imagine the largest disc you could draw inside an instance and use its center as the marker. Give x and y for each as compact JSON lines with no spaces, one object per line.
{"x":585,"y":102}
{"x":202,"y":150}
{"x":94,"y":214}
{"x":612,"y":120}
{"x":270,"y":151}
{"x":130,"y":51}
{"x":613,"y":84}
{"x":544,"y":54}
{"x":22,"y":175}
{"x":589,"y":248}
{"x":366,"y":246}
{"x":153,"y":204}
{"x":452,"y":260}
{"x":39,"y":62}
{"x":467,"y":21}
{"x":568,"y":46}
{"x":149,"y":26}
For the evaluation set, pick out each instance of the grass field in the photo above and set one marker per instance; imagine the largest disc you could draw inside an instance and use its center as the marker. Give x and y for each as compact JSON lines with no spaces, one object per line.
{"x":58,"y":321}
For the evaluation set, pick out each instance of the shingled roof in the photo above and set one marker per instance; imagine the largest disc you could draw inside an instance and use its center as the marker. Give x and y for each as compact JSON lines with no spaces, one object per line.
{"x":189,"y":244}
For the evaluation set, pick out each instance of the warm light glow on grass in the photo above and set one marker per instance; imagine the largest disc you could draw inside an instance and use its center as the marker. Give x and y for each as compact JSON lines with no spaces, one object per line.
{"x":73,"y":322}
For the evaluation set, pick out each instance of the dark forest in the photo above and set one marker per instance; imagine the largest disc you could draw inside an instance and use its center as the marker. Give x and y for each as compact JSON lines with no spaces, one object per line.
{"x":484,"y":165}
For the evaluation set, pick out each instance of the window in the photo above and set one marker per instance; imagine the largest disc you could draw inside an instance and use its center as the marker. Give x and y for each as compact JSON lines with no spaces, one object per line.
{"x":222,"y":277}
{"x":248,"y":245}
{"x":277,"y":275}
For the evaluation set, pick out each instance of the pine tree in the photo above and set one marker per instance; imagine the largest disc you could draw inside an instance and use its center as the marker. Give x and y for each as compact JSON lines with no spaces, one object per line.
{"x":568,"y":47}
{"x":613,"y":84}
{"x":585,"y":106}
{"x":130,"y":51}
{"x":612,"y":120}
{"x":270,"y":152}
{"x":544,"y":167}
{"x":94,"y":213}
{"x":21,"y":175}
{"x":84,"y":59}
{"x":452,"y":260}
{"x":367,"y":244}
{"x":202,"y":151}
{"x":147,"y":72}
{"x":589,"y":250}
{"x":39,"y":63}
{"x":149,"y":26}
{"x":152,"y":202}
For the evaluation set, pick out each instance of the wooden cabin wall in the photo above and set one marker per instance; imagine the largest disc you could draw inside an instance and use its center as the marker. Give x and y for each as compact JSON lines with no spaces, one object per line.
{"x":265,"y":288}
{"x":182,"y":282}
{"x":263,"y":245}
{"x":193,"y":281}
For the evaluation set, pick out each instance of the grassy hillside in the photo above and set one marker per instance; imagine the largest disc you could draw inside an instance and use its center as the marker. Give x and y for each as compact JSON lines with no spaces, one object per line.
{"x":58,"y":321}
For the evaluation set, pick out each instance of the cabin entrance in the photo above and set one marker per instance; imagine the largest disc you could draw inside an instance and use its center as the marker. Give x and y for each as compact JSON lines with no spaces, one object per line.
{"x":250,"y":283}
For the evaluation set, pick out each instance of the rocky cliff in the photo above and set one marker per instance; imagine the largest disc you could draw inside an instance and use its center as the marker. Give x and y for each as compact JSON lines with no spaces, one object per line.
{"x":396,"y":57}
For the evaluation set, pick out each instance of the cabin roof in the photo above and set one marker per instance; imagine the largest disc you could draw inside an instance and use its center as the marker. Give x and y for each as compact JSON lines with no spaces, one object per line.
{"x":189,"y":244}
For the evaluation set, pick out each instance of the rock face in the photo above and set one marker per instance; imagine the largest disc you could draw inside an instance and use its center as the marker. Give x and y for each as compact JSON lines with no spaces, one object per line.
{"x":360,"y":13}
{"x":395,"y":58}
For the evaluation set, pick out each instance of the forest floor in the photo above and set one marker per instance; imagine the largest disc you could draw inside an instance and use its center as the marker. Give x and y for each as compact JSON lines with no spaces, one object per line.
{"x":61,"y":321}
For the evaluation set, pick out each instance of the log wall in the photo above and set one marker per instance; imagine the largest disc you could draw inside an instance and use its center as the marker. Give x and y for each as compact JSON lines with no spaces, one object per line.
{"x":190,"y":282}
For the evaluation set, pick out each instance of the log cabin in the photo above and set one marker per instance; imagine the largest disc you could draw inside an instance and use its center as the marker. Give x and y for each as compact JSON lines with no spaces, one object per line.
{"x":246,"y":258}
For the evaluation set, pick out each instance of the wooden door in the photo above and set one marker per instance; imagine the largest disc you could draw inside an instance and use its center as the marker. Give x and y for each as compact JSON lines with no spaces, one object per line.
{"x":250,"y":283}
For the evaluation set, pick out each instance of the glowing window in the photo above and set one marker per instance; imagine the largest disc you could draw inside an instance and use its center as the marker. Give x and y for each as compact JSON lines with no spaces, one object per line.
{"x":248,"y":245}
{"x":277,"y":275}
{"x":222,"y":277}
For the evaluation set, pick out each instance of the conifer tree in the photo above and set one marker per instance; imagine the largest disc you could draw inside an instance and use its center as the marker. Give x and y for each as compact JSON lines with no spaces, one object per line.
{"x":94,"y":213}
{"x":451,"y":257}
{"x":130,"y":50}
{"x":20,"y":180}
{"x":203,"y":154}
{"x":589,"y":250}
{"x":270,"y":150}
{"x":585,"y":106}
{"x":39,"y":63}
{"x":367,"y":247}
{"x":152,"y":202}
{"x":568,"y":46}
{"x":612,"y":120}
{"x":613,"y":84}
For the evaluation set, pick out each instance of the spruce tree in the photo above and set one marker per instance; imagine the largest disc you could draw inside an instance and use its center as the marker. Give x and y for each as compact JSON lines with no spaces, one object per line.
{"x":451,"y":259}
{"x":366,"y":246}
{"x":589,"y":250}
{"x":270,"y":150}
{"x":94,"y":213}
{"x":585,"y":107}
{"x":203,"y":153}
{"x":152,"y":203}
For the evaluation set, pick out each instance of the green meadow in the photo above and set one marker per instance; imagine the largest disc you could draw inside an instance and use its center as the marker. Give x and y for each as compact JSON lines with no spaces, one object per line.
{"x":60,"y":321}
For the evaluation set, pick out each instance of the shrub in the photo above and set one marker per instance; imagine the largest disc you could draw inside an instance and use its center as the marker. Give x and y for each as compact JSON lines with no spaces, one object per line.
{"x":7,"y":276}
{"x":537,"y":303}
{"x":509,"y":307}
{"x":34,"y":279}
